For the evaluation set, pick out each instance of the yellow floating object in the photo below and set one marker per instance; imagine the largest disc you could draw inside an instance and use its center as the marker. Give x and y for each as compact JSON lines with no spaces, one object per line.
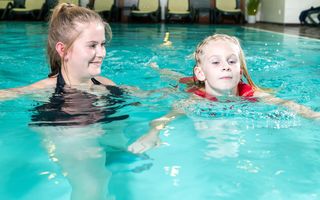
{"x":166,"y":41}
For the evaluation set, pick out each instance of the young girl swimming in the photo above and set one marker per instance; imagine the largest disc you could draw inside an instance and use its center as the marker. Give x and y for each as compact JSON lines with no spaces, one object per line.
{"x":220,"y":71}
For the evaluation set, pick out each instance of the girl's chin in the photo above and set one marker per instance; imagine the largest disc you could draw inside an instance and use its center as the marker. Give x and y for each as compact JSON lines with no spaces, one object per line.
{"x":224,"y":90}
{"x":226,"y":87}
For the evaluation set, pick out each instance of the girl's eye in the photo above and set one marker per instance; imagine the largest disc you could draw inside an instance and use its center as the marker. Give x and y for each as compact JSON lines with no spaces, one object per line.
{"x":232,"y":61}
{"x":93,"y":46}
{"x":215,"y":62}
{"x":103,"y":44}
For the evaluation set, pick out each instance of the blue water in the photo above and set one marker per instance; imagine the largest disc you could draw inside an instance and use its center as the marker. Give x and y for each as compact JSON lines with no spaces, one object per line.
{"x":252,"y":151}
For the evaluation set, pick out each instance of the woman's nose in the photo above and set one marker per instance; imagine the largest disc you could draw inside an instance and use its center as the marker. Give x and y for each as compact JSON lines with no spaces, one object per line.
{"x":101,"y":51}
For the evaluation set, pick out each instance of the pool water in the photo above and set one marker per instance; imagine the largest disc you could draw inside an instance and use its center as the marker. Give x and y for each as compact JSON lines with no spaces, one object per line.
{"x":226,"y":150}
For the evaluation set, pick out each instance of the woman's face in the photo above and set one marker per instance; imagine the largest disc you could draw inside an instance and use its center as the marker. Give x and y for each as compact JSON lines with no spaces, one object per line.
{"x":85,"y":57}
{"x":220,"y":64}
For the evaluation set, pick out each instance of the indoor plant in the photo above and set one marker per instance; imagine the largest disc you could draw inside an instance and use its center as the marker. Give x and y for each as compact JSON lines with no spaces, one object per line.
{"x":252,"y":9}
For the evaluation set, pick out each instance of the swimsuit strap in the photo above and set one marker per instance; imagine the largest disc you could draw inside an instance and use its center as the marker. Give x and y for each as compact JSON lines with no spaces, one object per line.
{"x":114,"y":90}
{"x":95,"y":81}
{"x":61,"y":82}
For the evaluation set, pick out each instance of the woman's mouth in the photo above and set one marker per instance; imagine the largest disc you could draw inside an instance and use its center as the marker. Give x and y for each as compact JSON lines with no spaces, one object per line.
{"x":97,"y":63}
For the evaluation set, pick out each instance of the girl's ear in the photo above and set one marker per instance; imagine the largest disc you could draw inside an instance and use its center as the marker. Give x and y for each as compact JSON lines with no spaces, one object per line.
{"x":60,"y":48}
{"x":199,"y":73}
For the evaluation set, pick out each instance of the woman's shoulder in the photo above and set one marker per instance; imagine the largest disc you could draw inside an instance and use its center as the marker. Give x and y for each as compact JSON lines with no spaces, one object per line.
{"x":15,"y":92}
{"x":44,"y":83}
{"x":104,"y":80}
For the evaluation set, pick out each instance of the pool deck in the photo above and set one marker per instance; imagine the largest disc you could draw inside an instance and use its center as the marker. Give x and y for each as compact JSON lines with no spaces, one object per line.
{"x":306,"y":31}
{"x":292,"y":29}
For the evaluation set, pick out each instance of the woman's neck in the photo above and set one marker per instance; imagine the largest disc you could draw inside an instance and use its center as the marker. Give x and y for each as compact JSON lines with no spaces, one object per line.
{"x":72,"y":80}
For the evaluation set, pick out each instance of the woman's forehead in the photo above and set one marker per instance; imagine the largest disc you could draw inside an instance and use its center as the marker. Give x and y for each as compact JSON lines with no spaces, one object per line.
{"x":91,"y":30}
{"x":81,"y":26}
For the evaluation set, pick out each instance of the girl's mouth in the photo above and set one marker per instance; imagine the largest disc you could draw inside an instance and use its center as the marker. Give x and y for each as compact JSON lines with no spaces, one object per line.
{"x":226,"y":77}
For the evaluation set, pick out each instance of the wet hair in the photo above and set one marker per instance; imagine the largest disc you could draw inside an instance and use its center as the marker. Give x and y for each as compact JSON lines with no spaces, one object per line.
{"x":64,"y":27}
{"x":222,"y":37}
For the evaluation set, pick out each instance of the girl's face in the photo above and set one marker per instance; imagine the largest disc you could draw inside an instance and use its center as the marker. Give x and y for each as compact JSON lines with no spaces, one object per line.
{"x":220,"y":68}
{"x":86,"y":55}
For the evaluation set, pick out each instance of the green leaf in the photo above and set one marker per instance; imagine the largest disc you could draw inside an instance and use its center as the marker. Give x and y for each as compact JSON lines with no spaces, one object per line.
{"x":252,"y":7}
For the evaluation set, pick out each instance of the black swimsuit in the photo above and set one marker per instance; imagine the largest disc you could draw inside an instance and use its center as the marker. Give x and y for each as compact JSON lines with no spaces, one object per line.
{"x":72,"y":107}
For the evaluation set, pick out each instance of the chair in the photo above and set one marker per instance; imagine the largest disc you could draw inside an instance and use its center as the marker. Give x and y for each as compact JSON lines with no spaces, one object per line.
{"x":106,"y":7}
{"x":30,"y":7}
{"x":147,"y":8}
{"x":227,"y":8}
{"x":179,"y":9}
{"x":75,"y":2}
{"x":5,"y":7}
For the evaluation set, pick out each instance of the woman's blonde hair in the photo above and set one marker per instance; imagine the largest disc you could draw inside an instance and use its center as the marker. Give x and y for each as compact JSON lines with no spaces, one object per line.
{"x":199,"y":52}
{"x":63,"y":27}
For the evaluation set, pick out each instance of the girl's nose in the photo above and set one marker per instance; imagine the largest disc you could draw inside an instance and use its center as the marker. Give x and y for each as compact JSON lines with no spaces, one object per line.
{"x":225,"y":66}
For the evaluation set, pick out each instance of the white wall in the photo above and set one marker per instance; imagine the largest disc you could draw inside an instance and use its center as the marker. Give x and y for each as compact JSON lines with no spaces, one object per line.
{"x":84,"y":3}
{"x":293,"y":9}
{"x":284,"y":11}
{"x":272,"y":11}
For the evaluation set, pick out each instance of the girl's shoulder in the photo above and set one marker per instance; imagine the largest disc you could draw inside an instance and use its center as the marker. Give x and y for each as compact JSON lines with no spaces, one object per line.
{"x":260,"y":94}
{"x":245,"y":90}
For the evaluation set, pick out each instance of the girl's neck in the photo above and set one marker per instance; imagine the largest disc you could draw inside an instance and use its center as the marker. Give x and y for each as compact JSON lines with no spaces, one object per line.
{"x":225,"y":93}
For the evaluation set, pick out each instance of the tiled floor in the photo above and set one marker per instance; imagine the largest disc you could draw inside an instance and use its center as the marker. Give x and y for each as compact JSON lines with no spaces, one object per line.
{"x":306,"y":31}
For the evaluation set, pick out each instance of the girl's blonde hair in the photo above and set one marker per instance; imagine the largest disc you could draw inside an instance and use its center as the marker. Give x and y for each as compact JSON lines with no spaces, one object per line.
{"x":199,"y":52}
{"x":64,"y":27}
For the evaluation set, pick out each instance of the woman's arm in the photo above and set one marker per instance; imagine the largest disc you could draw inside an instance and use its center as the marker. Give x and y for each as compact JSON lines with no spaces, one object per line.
{"x":151,"y":139}
{"x":298,"y":108}
{"x":11,"y":93}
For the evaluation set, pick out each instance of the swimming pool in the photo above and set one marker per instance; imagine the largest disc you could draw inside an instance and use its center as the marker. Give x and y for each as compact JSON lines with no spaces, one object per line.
{"x":252,"y":151}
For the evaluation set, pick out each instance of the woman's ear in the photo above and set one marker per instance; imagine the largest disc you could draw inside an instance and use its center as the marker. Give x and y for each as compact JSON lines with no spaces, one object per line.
{"x":199,"y":73}
{"x":60,"y":48}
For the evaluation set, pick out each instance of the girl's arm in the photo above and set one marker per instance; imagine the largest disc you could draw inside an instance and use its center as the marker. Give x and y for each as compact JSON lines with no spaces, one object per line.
{"x":151,"y":139}
{"x":167,"y":72}
{"x":298,"y":108}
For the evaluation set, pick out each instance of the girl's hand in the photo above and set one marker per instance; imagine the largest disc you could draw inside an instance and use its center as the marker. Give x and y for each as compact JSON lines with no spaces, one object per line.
{"x":145,"y":143}
{"x":298,"y":108}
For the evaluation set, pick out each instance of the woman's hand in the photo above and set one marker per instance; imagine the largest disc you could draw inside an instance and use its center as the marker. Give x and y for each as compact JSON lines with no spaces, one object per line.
{"x":8,"y":94}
